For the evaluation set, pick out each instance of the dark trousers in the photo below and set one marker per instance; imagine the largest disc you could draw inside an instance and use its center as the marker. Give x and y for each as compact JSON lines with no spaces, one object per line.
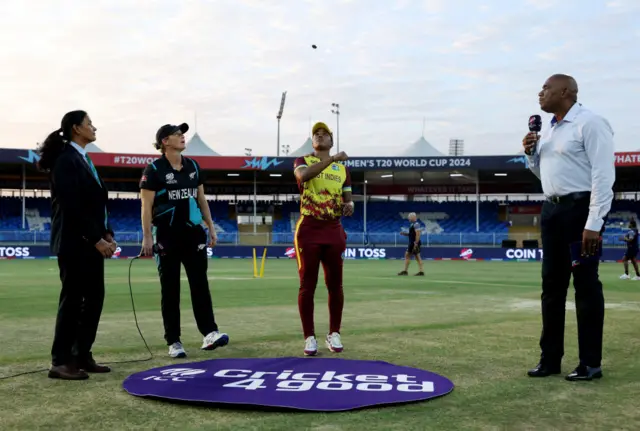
{"x":414,"y":250}
{"x":316,"y":244}
{"x":562,"y":224}
{"x":79,"y":307}
{"x":187,"y":249}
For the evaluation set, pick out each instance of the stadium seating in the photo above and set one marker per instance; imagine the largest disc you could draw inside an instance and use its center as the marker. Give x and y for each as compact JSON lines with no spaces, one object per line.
{"x":124,"y":218}
{"x":617,"y":221}
{"x":445,"y":223}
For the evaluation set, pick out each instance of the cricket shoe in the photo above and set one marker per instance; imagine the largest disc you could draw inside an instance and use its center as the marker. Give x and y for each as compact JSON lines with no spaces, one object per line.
{"x":214,"y":340}
{"x":333,"y":342}
{"x":177,"y":351}
{"x":624,"y":277}
{"x":310,"y":346}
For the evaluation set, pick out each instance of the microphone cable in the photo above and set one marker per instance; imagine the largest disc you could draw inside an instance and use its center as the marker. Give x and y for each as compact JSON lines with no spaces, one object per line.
{"x":135,"y":317}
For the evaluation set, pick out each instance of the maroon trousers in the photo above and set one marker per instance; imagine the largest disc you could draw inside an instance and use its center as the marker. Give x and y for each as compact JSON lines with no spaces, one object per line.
{"x":319,"y":242}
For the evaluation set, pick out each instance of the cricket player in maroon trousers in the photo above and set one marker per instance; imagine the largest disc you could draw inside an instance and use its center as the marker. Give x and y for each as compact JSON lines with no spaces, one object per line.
{"x":325,"y":196}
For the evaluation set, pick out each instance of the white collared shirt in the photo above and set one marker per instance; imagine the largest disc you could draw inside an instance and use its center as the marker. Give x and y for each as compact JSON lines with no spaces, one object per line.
{"x":83,"y":153}
{"x":81,"y":150}
{"x":577,"y":154}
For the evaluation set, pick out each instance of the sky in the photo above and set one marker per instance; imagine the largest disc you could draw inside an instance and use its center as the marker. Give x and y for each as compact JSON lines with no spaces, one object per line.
{"x":399,"y":69}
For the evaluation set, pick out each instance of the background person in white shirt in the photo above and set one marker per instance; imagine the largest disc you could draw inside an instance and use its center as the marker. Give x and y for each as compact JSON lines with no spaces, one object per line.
{"x":574,"y":159}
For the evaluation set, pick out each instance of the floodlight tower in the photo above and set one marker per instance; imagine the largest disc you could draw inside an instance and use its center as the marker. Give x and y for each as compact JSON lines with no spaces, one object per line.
{"x":279,"y":116}
{"x":336,"y":111}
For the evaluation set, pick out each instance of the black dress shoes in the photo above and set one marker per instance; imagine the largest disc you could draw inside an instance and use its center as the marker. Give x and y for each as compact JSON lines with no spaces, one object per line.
{"x":584,"y":373}
{"x":67,"y":372}
{"x":90,"y":366}
{"x":544,"y":370}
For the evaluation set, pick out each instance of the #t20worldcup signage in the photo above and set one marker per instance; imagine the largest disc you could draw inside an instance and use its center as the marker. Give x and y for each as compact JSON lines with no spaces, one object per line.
{"x":313,"y":384}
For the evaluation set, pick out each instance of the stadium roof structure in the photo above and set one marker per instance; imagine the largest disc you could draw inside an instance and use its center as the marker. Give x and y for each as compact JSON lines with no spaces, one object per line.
{"x":305,"y":149}
{"x":197,"y":147}
{"x":422,"y":148}
{"x":93,"y":148}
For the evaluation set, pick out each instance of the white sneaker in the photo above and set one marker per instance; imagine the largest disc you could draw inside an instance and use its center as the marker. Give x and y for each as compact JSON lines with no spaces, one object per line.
{"x":636,"y":278}
{"x":177,"y":351}
{"x":214,"y":340}
{"x":310,"y":346}
{"x":333,"y":342}
{"x":624,"y":277}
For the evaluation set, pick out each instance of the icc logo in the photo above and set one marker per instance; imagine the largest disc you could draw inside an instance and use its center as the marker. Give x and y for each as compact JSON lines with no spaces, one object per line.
{"x":170,"y":179}
{"x":176,"y":375}
{"x":181,"y":372}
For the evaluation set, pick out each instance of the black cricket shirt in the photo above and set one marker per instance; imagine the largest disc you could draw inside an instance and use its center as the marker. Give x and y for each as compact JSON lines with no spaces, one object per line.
{"x":412,"y":232}
{"x":176,"y":201}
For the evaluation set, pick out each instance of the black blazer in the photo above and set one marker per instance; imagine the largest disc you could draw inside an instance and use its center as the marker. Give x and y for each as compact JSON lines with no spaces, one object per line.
{"x":78,"y":205}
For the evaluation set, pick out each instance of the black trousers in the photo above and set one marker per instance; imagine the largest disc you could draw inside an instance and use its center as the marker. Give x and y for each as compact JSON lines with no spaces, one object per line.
{"x":414,"y":250}
{"x":188,"y":248}
{"x":562,"y":224}
{"x":79,"y":307}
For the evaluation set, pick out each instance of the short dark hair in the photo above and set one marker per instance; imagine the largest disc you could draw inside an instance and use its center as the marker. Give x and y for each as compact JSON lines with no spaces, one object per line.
{"x":53,"y":145}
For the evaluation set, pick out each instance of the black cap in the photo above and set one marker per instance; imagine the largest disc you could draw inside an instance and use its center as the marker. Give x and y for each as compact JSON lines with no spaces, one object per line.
{"x":168,"y":130}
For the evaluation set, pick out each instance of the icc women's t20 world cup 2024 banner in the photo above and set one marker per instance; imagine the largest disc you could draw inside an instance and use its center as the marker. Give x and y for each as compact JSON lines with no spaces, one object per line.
{"x":286,"y":252}
{"x":276,"y":164}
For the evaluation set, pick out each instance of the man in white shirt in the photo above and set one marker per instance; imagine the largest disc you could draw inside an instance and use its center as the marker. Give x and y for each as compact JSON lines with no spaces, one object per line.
{"x":574,"y":160}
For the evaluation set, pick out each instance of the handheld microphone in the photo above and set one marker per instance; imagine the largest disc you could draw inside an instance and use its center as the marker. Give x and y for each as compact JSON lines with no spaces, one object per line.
{"x":535,"y":125}
{"x":156,"y":249}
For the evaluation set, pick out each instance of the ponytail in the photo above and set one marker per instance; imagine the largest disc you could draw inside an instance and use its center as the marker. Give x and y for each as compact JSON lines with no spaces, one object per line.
{"x":56,"y":142}
{"x":50,"y":150}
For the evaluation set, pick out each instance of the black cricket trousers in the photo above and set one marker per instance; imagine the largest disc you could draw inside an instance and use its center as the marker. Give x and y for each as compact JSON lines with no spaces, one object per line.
{"x":79,"y":307}
{"x":561,"y":224}
{"x":186,"y":247}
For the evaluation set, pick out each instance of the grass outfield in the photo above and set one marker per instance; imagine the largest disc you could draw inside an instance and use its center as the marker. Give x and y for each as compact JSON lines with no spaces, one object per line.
{"x":476,"y":323}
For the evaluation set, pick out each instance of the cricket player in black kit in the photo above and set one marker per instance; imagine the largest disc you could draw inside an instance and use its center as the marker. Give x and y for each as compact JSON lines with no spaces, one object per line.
{"x":631,"y":238}
{"x":413,"y":249}
{"x":173,"y":201}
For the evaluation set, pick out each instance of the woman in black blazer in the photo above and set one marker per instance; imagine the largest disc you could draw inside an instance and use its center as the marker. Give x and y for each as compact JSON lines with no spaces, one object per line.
{"x":81,"y":238}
